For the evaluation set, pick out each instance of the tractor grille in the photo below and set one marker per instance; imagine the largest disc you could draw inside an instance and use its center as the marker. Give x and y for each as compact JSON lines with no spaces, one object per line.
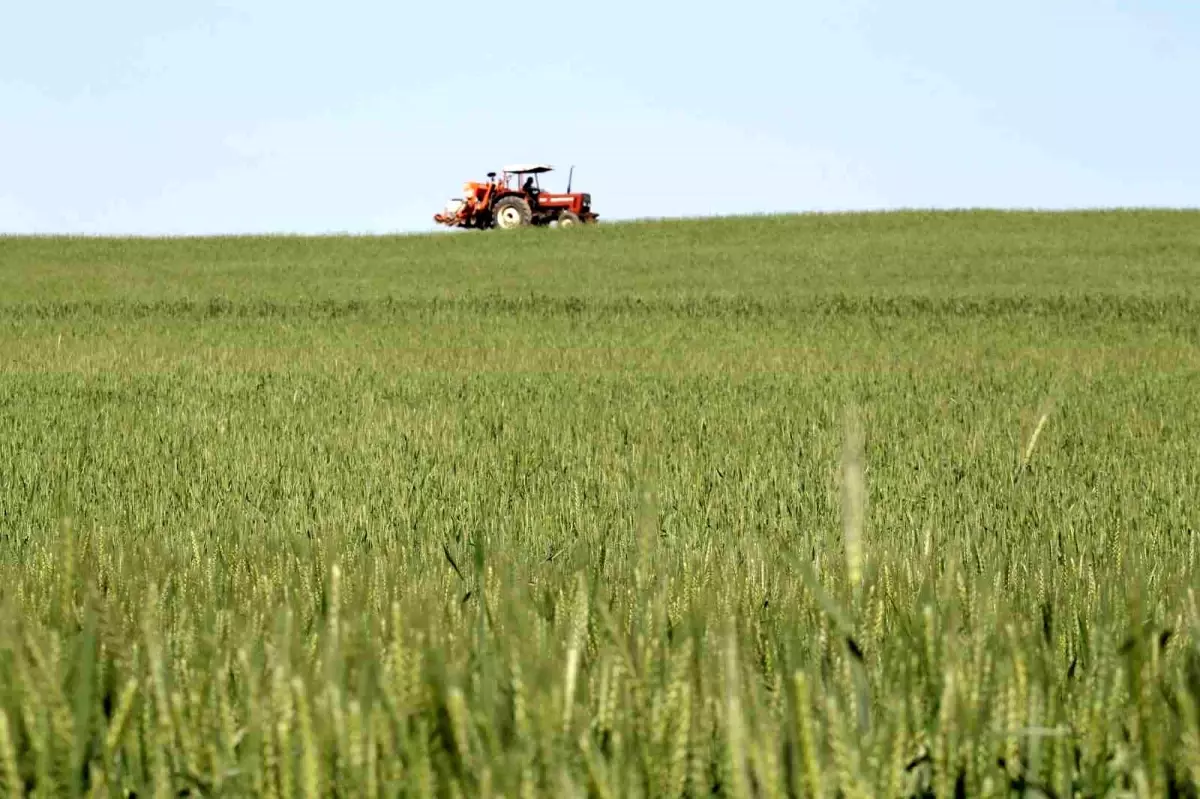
{"x":587,"y":200}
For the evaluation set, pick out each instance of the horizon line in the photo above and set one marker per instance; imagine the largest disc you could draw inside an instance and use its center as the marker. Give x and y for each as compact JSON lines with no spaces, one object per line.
{"x":630,"y":221}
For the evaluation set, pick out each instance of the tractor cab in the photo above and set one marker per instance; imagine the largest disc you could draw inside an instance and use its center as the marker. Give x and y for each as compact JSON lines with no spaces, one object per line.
{"x":523,"y":178}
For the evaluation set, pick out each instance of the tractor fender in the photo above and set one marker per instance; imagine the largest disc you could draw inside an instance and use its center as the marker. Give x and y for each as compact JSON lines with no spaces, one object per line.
{"x":501,"y":195}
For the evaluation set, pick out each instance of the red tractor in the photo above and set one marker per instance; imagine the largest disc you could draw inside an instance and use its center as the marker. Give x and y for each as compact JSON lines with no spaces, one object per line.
{"x":515,"y":199}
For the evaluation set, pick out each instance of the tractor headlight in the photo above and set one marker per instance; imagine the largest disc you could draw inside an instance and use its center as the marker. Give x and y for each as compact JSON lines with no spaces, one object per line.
{"x":587,"y":199}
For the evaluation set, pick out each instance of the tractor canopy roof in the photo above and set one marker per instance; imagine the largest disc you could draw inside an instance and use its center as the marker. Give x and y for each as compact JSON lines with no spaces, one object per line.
{"x":522,"y":169}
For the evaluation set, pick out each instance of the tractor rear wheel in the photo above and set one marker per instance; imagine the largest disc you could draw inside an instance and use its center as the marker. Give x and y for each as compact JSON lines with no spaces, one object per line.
{"x":512,"y":212}
{"x":568,"y":219}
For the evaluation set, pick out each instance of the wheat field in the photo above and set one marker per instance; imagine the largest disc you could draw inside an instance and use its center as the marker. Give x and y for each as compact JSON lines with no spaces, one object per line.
{"x":887,"y":505}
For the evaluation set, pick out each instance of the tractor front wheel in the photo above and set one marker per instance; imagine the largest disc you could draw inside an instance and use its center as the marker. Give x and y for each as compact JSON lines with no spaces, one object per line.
{"x":512,"y":212}
{"x":568,"y":219}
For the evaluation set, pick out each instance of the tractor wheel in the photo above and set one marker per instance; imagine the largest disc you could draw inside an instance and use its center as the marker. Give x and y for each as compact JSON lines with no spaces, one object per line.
{"x":512,"y":212}
{"x":568,"y":219}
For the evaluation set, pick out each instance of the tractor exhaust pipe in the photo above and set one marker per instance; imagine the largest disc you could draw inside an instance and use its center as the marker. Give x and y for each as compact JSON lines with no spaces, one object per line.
{"x":570,"y":175}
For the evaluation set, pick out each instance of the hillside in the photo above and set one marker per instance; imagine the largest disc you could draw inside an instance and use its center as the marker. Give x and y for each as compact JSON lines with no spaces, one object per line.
{"x":792,"y":258}
{"x":879,"y":504}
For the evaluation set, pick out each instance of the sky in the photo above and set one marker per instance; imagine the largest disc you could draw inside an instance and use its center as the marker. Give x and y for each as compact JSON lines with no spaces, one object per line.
{"x":193,"y":117}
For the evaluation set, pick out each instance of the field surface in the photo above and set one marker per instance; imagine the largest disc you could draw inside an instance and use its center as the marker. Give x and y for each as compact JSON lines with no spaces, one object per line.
{"x":881,"y":505}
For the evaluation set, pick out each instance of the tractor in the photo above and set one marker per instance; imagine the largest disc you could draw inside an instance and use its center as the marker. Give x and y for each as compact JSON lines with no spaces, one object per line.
{"x":515,"y":199}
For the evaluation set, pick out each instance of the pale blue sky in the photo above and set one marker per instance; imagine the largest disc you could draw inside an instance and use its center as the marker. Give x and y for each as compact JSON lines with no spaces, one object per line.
{"x":176,"y":117}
